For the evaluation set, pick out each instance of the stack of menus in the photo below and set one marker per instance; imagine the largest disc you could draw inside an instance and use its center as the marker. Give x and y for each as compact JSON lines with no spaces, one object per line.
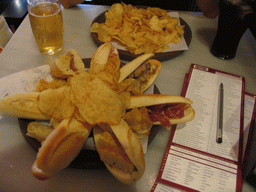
{"x":198,"y":156}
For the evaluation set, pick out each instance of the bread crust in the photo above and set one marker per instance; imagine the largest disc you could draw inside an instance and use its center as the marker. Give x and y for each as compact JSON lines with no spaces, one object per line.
{"x":67,"y":65}
{"x":23,"y":105}
{"x":60,"y":148}
{"x":127,"y":69}
{"x":133,"y":149}
{"x":157,"y":99}
{"x":152,"y":77}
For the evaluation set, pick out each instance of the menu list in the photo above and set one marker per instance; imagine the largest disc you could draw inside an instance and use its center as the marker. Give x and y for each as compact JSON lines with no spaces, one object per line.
{"x":193,"y":160}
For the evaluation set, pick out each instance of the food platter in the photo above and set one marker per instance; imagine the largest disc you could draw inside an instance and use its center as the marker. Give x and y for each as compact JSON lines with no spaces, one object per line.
{"x":87,"y":159}
{"x":126,"y":55}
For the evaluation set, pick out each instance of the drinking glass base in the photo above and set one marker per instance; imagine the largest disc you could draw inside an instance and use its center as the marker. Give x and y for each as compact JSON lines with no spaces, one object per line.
{"x":51,"y":51}
{"x":223,"y":56}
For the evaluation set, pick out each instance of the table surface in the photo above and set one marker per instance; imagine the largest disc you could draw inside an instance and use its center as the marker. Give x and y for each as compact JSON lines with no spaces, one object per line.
{"x":17,"y":157}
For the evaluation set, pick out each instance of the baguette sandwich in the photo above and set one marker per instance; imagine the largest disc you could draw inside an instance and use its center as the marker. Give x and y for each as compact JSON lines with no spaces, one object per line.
{"x":165,"y":109}
{"x":60,"y":148}
{"x":121,"y":152}
{"x":23,"y":105}
{"x":67,"y":65}
{"x":140,"y":73}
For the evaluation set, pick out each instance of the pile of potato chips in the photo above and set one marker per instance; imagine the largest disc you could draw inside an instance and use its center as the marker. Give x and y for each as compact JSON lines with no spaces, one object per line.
{"x":140,"y":30}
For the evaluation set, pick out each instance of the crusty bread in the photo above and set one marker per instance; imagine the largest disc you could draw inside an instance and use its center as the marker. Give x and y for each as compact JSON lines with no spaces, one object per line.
{"x":132,"y":147}
{"x":125,"y":170}
{"x":156,"y":99}
{"x":38,"y":130}
{"x":67,"y":64}
{"x":23,"y":105}
{"x":78,"y":62}
{"x":111,"y":152}
{"x":60,"y":148}
{"x":152,"y":77}
{"x":127,"y":69}
{"x":100,"y":58}
{"x":106,"y":60}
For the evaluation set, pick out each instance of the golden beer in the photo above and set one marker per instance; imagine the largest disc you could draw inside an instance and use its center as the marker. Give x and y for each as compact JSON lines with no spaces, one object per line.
{"x":47,"y":26}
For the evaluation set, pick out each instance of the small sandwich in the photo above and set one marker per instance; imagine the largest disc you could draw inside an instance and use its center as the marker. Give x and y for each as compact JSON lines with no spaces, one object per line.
{"x":60,"y":148}
{"x":67,"y":65}
{"x":165,"y":109}
{"x":121,"y":152}
{"x":134,"y":77}
{"x":105,"y":58}
{"x":138,"y":75}
{"x":22,"y":105}
{"x":105,"y":64}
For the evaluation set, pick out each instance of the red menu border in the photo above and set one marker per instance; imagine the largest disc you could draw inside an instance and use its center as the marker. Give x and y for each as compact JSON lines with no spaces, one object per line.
{"x":251,"y":130}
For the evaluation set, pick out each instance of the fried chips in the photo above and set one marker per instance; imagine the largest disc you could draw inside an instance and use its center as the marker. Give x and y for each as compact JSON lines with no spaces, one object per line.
{"x":139,"y":30}
{"x":96,"y":102}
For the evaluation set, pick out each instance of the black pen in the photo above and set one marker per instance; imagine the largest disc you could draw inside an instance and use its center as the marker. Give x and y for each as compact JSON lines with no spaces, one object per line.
{"x":220,"y":114}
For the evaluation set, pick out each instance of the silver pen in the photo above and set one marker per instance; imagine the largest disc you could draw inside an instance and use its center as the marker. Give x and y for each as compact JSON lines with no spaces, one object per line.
{"x":220,"y":114}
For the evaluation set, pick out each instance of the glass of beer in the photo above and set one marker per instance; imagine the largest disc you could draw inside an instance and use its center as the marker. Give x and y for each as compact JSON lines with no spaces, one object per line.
{"x":47,"y":25}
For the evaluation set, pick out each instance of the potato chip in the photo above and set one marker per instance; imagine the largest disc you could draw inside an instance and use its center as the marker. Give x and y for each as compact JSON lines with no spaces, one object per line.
{"x":139,"y":30}
{"x":155,"y":24}
{"x":54,"y":84}
{"x":96,"y":101}
{"x":50,"y":99}
{"x":103,"y":36}
{"x":66,"y":108}
{"x":95,"y":27}
{"x":139,"y":121}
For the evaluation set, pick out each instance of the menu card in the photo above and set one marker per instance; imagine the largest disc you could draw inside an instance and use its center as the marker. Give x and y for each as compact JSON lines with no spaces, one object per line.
{"x":249,"y":122}
{"x":194,"y":160}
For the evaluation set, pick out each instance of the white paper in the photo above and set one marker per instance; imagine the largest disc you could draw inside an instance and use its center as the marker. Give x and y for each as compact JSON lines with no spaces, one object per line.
{"x":24,"y":81}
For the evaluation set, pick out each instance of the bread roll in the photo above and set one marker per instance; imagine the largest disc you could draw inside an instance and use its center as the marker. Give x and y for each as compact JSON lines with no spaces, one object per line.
{"x":157,"y":99}
{"x":60,"y":148}
{"x":127,"y":69}
{"x":67,"y":65}
{"x":39,"y":131}
{"x":127,"y":165}
{"x":22,"y":105}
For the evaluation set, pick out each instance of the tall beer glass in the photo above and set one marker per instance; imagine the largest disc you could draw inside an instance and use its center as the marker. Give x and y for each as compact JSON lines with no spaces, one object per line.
{"x":47,"y":25}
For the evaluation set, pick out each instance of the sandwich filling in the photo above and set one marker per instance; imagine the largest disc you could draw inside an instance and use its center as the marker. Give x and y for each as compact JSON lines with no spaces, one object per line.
{"x":164,"y":112}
